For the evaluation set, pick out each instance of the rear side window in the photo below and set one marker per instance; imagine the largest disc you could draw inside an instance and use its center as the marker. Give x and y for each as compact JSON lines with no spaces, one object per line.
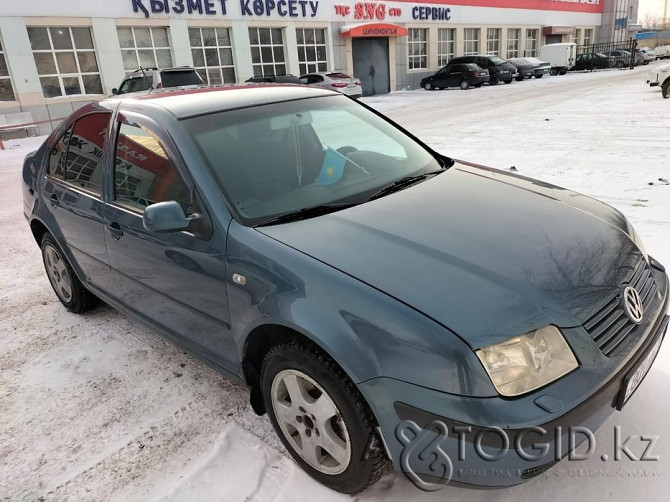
{"x":175,"y":78}
{"x":58,"y":156}
{"x":338,"y":75}
{"x":143,"y":172}
{"x":84,"y":155}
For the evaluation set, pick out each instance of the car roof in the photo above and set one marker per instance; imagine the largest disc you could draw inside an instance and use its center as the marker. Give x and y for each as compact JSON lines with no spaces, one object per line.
{"x":184,"y":103}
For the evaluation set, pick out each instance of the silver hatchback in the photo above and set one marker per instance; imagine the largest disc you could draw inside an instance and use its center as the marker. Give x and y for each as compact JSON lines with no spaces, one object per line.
{"x":334,"y":81}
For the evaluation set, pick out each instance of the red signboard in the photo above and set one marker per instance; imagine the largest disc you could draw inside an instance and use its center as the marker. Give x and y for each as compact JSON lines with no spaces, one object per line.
{"x":374,"y":30}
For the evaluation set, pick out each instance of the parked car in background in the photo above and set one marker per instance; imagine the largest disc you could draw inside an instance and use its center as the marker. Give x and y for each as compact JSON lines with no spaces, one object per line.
{"x":274,"y":79}
{"x":335,"y":81}
{"x":542,"y":68}
{"x":662,"y":51}
{"x":593,"y":61}
{"x":529,"y":67}
{"x":523,"y":68}
{"x":621,"y":58}
{"x":498,"y":68}
{"x":647,"y":56}
{"x":561,"y":57}
{"x":145,"y":79}
{"x":296,"y":240}
{"x":660,"y":76}
{"x":456,"y":75}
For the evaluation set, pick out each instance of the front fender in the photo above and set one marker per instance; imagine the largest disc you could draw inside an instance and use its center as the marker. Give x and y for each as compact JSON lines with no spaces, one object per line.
{"x":368,"y":333}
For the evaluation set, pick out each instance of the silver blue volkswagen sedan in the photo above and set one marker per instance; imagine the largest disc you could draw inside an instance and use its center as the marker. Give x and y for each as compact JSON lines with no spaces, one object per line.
{"x":386,"y":305}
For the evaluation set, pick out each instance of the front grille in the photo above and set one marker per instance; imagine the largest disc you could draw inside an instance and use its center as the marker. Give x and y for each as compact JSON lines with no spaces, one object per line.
{"x":610,"y":326}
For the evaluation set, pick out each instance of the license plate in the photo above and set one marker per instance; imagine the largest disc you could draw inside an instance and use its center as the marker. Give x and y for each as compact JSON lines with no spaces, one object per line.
{"x":635,"y":377}
{"x":351,"y":85}
{"x":504,"y":71}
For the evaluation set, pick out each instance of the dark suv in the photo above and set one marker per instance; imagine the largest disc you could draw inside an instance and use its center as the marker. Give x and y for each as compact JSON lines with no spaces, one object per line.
{"x":498,"y":68}
{"x":463,"y":75}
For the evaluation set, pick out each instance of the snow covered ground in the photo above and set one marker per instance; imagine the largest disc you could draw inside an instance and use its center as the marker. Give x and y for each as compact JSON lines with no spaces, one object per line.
{"x":99,"y":407}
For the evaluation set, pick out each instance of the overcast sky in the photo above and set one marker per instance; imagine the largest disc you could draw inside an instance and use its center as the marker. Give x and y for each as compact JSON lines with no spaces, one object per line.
{"x":651,"y":7}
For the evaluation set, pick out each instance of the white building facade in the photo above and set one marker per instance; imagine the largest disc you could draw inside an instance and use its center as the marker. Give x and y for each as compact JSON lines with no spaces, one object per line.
{"x":56,"y":56}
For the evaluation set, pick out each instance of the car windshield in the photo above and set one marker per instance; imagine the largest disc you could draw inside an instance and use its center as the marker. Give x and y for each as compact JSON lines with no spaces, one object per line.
{"x":277,"y":158}
{"x":496,"y":60}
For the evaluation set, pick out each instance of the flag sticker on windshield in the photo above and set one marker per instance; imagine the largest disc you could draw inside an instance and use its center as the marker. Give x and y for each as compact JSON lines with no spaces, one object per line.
{"x":332,"y":168}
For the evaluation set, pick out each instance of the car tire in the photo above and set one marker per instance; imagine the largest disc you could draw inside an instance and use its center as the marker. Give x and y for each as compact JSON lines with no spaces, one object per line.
{"x":465,"y":84}
{"x":342,"y":420}
{"x":65,"y":283}
{"x":519,"y":78}
{"x":428,"y":86}
{"x":538,"y":76}
{"x":665,"y":89}
{"x":619,"y":64}
{"x":494,"y":79}
{"x":562,"y":72}
{"x":508,"y":81}
{"x":553,"y":72}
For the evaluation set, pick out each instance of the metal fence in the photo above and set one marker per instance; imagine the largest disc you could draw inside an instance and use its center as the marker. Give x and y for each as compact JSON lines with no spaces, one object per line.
{"x":616,"y":55}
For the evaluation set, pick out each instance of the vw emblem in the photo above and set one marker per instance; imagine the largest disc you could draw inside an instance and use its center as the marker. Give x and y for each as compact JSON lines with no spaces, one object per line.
{"x":633,"y":304}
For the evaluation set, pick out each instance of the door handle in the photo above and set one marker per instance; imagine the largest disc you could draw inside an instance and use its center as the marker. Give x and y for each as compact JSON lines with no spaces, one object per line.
{"x":115,"y":230}
{"x":54,"y":200}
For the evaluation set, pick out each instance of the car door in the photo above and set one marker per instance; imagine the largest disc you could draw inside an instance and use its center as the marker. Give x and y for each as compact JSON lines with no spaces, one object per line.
{"x":440,"y":78}
{"x":175,"y":279}
{"x":73,"y":189}
{"x":455,"y":75}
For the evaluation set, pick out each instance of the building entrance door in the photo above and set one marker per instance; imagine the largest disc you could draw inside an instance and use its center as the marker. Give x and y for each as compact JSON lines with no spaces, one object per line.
{"x":371,"y":64}
{"x":554,"y":39}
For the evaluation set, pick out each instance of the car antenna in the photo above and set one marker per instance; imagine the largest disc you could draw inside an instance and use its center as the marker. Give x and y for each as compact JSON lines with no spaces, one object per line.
{"x":151,"y":86}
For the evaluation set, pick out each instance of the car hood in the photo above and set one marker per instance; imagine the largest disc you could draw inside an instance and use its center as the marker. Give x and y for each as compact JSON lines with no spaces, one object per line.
{"x":487,"y":254}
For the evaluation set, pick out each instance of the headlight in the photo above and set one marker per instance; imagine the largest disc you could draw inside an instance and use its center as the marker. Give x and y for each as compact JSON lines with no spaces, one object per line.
{"x":527,"y":362}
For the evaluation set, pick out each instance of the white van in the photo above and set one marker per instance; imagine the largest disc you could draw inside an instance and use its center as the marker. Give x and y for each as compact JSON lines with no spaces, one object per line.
{"x":662,"y":51}
{"x":561,"y":56}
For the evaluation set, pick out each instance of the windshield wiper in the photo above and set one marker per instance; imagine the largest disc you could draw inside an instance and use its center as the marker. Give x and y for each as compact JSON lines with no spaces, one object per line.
{"x":402,"y":183}
{"x":305,"y":213}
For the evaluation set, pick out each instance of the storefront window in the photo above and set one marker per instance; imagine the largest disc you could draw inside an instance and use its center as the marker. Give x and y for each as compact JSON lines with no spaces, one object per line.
{"x":212,"y":54}
{"x":493,"y":41}
{"x":417,"y":48}
{"x":470,"y":41}
{"x":145,"y":47}
{"x":513,"y":43}
{"x":311,"y":49}
{"x":267,"y":51}
{"x":445,"y":45}
{"x":588,"y":37}
{"x":531,"y":44}
{"x":65,"y":60}
{"x":6,"y":91}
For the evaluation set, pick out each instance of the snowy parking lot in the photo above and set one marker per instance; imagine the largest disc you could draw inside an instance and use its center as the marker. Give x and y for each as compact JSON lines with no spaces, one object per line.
{"x":99,"y":407}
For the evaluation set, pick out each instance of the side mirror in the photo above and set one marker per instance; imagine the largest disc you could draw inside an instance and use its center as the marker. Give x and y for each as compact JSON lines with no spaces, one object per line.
{"x":115,"y":91}
{"x":165,"y":217}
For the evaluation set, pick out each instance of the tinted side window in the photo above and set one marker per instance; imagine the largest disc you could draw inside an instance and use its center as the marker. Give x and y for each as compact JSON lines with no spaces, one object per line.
{"x":84,"y":155}
{"x":143,"y":172}
{"x":57,"y":156}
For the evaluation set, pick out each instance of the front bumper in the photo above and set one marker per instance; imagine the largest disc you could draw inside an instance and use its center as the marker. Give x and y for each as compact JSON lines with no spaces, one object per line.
{"x":471,"y":432}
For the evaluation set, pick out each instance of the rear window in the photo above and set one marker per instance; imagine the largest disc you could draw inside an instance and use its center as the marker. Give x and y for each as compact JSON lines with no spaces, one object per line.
{"x":338,"y":75}
{"x":174,"y":78}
